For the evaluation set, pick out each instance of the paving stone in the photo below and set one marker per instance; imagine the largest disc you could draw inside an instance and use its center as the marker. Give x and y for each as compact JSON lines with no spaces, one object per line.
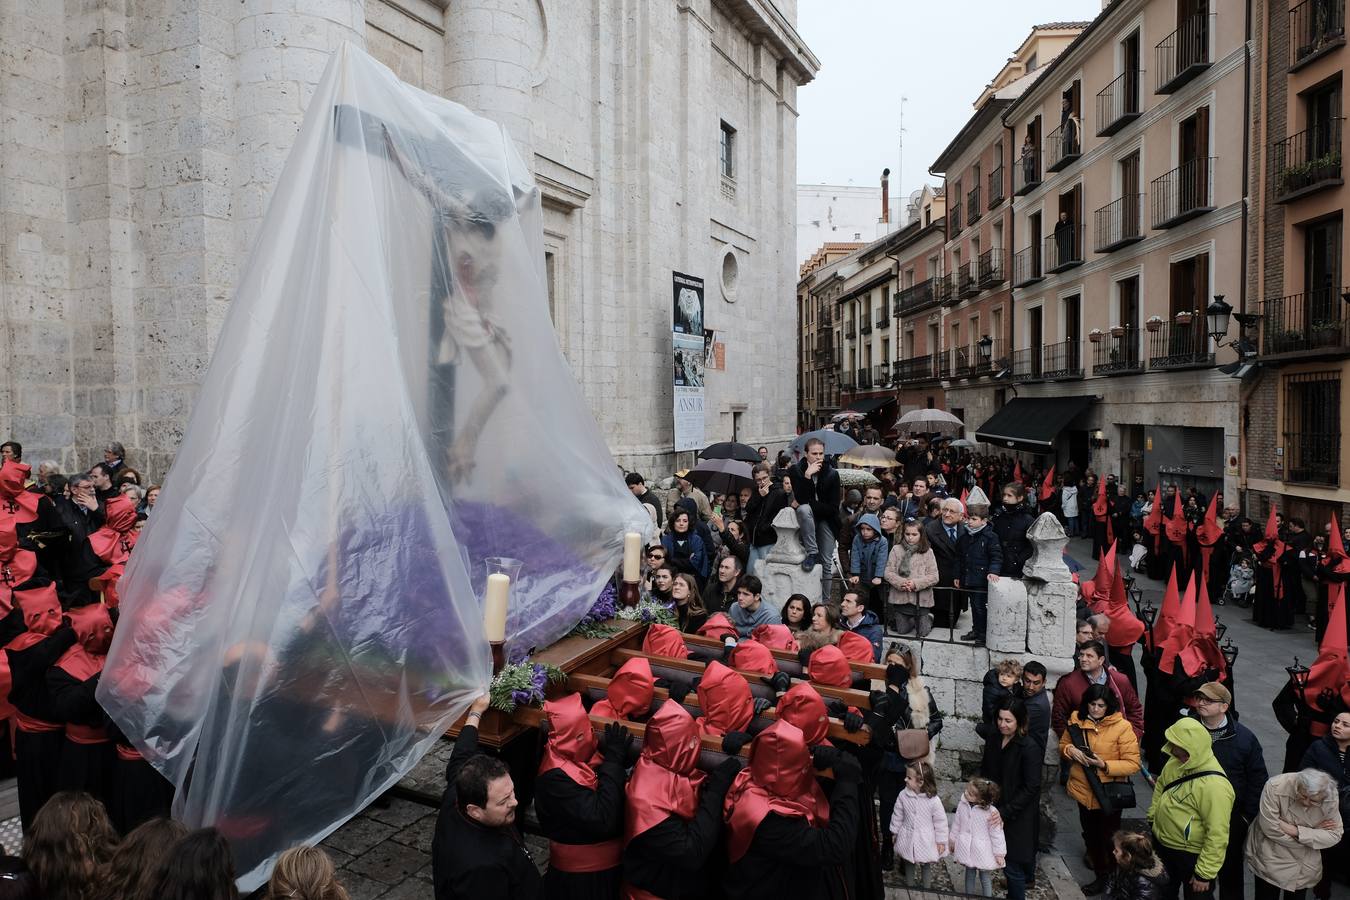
{"x":400,"y":813}
{"x":418,"y":834}
{"x":410,"y":889}
{"x":359,"y":887}
{"x":389,"y":862}
{"x":359,"y":835}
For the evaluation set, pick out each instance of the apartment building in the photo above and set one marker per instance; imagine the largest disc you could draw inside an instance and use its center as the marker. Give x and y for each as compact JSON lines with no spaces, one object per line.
{"x":1128,"y":217}
{"x":817,"y":364}
{"x":1294,"y":406}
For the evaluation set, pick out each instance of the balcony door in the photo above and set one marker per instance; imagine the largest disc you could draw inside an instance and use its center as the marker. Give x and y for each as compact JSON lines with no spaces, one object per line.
{"x":1193,"y":161}
{"x":1130,"y":192}
{"x":1192,"y":33}
{"x":1323,"y":108}
{"x":1128,"y":315}
{"x":1073,"y":331}
{"x":1131,"y":65}
{"x":1322,"y":275}
{"x":1035,"y":339}
{"x":1034,"y":229}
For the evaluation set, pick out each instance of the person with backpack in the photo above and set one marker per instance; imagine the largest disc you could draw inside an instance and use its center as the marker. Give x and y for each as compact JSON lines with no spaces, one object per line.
{"x":1191,"y":810}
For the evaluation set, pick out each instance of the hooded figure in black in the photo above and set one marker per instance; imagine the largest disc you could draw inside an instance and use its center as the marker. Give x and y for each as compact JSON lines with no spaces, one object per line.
{"x":87,"y":755}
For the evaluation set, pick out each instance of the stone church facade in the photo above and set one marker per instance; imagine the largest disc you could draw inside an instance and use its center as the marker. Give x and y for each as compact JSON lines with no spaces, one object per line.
{"x":140,"y":141}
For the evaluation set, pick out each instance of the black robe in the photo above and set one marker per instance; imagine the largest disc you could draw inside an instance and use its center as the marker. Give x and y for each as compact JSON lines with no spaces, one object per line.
{"x":1271,"y":611}
{"x":37,"y":753}
{"x":671,"y":859}
{"x":789,"y":858}
{"x":572,"y":814}
{"x":1016,"y":768}
{"x":470,"y":861}
{"x":84,"y":767}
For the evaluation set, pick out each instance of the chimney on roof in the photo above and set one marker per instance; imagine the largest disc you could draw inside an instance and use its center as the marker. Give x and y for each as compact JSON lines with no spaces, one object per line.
{"x":885,"y":196}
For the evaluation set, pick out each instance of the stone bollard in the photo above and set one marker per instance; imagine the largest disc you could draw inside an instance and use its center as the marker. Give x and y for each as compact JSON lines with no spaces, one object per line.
{"x":781,"y":571}
{"x":1048,"y":541}
{"x":1007,"y":631}
{"x":1051,"y":594}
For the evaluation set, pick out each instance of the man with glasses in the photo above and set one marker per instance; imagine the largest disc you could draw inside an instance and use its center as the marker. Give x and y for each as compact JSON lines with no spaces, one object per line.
{"x":942,"y":535}
{"x":1239,"y":752}
{"x":767,"y":500}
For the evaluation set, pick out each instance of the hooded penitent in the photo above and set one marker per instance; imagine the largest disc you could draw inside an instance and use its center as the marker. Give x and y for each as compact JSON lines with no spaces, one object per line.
{"x":1101,"y":511}
{"x":113,"y":542}
{"x":630,"y":691}
{"x":1203,"y":652}
{"x":718,"y":627}
{"x":1276,"y":547}
{"x":16,"y":564}
{"x":1168,"y":615}
{"x":571,"y":746}
{"x":724,"y":697}
{"x":1176,"y":526}
{"x":803,"y":706}
{"x":855,"y":647}
{"x":1047,"y":486}
{"x":829,"y":666}
{"x":1207,"y":533}
{"x":93,"y":631}
{"x":662,"y":640}
{"x":1153,"y":522}
{"x":666,"y":780}
{"x":1340,"y":563}
{"x":779,"y":780}
{"x":1111,"y":600}
{"x":1330,"y":671}
{"x":752,"y":656}
{"x":775,"y":637}
{"x":14,"y":498}
{"x":1183,"y":630}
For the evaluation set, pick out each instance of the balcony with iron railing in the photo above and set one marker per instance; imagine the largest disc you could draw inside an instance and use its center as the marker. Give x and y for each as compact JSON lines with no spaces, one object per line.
{"x":881,"y":316}
{"x":973,"y":208}
{"x":944,"y":288}
{"x":845,"y":381}
{"x":1308,"y":161}
{"x":1119,"y":223}
{"x":1027,"y":172}
{"x":1315,"y":28}
{"x":954,"y":218}
{"x":1027,"y":266}
{"x":866,"y":323}
{"x":997,"y":192}
{"x":1118,"y":103}
{"x":1026,"y":364}
{"x":974,"y":361}
{"x":1184,"y":53}
{"x":1180,"y":345}
{"x":968,"y":280}
{"x":826,"y":317}
{"x":1062,"y":361}
{"x":851,"y":330}
{"x":1063,"y":146}
{"x":915,"y":298}
{"x":992,"y":269}
{"x":1184,"y":193}
{"x":881,"y":375}
{"x":864,"y":380}
{"x":917,"y":369}
{"x":1117,"y":353}
{"x":1315,"y":324}
{"x":1064,"y":248}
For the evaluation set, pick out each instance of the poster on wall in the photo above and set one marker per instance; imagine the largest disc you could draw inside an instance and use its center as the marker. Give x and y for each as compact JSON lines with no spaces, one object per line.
{"x":689,"y":360}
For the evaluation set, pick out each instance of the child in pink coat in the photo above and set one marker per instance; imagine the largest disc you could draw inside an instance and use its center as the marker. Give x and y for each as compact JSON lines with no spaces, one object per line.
{"x":977,"y":843}
{"x":919,"y":824}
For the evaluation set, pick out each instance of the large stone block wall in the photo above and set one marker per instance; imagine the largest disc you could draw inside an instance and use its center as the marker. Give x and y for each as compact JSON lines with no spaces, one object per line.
{"x":139,"y":146}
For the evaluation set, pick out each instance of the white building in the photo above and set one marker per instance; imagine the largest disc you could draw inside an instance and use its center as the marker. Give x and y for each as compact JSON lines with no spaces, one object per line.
{"x":843,"y":213}
{"x":139,"y":144}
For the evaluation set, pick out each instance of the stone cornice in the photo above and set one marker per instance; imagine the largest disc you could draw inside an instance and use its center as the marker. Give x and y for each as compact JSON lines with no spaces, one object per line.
{"x":761,"y":19}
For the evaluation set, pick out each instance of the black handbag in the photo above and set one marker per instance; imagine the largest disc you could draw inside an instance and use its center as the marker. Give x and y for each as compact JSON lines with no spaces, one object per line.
{"x":1113,"y":796}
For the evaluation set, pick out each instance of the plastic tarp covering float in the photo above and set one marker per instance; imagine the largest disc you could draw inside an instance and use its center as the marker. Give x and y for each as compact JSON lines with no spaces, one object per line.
{"x":386,"y":408}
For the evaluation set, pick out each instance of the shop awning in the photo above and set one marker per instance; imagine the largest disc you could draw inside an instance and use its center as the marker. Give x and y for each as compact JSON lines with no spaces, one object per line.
{"x":1031,"y":423}
{"x":868,"y":404}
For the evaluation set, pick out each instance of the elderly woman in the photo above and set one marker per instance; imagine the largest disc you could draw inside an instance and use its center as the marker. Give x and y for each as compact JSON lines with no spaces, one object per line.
{"x":1299,"y":817}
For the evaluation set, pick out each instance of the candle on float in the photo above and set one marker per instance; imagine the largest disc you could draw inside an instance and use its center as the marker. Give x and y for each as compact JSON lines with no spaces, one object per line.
{"x":632,"y":552}
{"x":494,"y":607}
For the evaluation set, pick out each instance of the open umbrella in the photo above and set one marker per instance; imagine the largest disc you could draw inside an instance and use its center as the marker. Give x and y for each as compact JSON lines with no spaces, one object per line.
{"x":835,"y":443}
{"x":856,"y":478}
{"x":962,"y":444}
{"x":870,"y":456}
{"x":730,"y":450}
{"x":846,"y":414}
{"x":928,"y":420}
{"x":721,"y":476}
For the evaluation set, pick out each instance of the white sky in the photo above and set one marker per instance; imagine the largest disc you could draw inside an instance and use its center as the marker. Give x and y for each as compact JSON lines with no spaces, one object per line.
{"x":938,"y":53}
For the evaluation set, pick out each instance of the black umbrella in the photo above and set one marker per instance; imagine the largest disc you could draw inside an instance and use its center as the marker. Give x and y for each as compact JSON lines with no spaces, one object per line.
{"x":730,"y":450}
{"x":721,"y":476}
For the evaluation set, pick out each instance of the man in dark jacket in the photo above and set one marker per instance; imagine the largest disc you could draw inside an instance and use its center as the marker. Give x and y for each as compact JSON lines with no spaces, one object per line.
{"x":1239,"y":752}
{"x":476,"y":852}
{"x":854,"y":616}
{"x":816,"y":488}
{"x":767,"y":500}
{"x":638,"y":485}
{"x":942,"y":536}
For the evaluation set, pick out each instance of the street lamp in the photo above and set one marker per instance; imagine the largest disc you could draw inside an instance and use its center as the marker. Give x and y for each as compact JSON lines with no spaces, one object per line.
{"x":1217,"y":315}
{"x":1220,"y":629}
{"x":1298,"y":677}
{"x":986,"y":347}
{"x":1230,"y":653}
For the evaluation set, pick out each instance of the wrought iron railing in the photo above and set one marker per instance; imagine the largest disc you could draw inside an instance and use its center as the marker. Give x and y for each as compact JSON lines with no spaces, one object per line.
{"x":996,"y":188}
{"x":1117,"y":353}
{"x":967,"y":279}
{"x":1312,"y":428}
{"x":918,"y":368}
{"x":1027,"y":171}
{"x":1308,"y":161}
{"x":973,"y":208}
{"x":1027,"y":266}
{"x":1184,"y":193}
{"x":1315,"y":26}
{"x":1317,"y":321}
{"x":1118,"y":103}
{"x":1026,"y":364}
{"x":944,"y":287}
{"x":1177,"y":345}
{"x":1119,"y":223}
{"x":954,"y":216}
{"x":993,"y":269}
{"x":1062,"y":360}
{"x":914,"y":298}
{"x":1063,"y":145}
{"x":864,"y":380}
{"x":1184,"y":53}
{"x":1064,"y":248}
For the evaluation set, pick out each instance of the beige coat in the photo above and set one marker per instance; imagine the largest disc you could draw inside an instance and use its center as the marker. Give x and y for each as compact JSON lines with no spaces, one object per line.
{"x":1291,"y":864}
{"x":923,"y":571}
{"x":814,"y":640}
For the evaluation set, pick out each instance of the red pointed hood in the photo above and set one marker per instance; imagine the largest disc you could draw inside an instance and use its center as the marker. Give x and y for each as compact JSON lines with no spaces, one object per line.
{"x":725,"y":698}
{"x":13,"y":477}
{"x":41,"y":609}
{"x":1331,"y":670}
{"x":965,"y":492}
{"x":666,"y":779}
{"x":662,"y":640}
{"x":93,"y":627}
{"x":780,"y":780}
{"x":1183,"y":632}
{"x":630,"y":691}
{"x":1209,"y":531}
{"x":571,"y":746}
{"x":1105,"y":577}
{"x":718,"y":627}
{"x":855,"y":647}
{"x":752,"y":656}
{"x":112,"y":543}
{"x":22,"y":504}
{"x":1170,"y":612}
{"x":1126,"y":628}
{"x":1335,"y":545}
{"x":1272,"y":526}
{"x":1099,"y":506}
{"x":803,"y":706}
{"x":1017,"y":470}
{"x":775,"y":637}
{"x":1048,"y":485}
{"x":1153,"y":521}
{"x":828,"y":665}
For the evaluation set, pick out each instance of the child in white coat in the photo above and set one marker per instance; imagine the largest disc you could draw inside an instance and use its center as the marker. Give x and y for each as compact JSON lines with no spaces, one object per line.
{"x":977,"y":843}
{"x":919,"y":824}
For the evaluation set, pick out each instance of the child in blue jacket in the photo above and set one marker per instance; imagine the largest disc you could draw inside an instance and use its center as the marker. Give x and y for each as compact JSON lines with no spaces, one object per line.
{"x":980,"y":560}
{"x":867,"y":561}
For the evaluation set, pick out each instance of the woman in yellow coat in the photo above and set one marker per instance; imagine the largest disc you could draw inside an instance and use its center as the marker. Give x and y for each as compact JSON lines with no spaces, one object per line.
{"x":1099,"y":738}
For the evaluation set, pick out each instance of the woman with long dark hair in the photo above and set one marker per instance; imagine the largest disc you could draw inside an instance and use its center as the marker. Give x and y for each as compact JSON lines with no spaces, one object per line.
{"x":131,"y":873}
{"x":797,"y":614}
{"x":688,"y":603}
{"x":70,"y":841}
{"x":198,"y":867}
{"x":1013,"y":761}
{"x":684,"y":548}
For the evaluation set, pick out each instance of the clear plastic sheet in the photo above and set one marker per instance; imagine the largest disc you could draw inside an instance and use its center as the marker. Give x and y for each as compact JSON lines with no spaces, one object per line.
{"x":386,"y":407}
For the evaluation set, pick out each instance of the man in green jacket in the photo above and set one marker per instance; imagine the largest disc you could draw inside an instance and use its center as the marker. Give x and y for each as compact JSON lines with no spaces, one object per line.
{"x":1191,"y":808}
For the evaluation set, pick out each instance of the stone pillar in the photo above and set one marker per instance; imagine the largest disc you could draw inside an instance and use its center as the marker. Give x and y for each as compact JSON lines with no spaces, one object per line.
{"x":489,"y":61}
{"x":781,"y":571}
{"x":1051,"y":594}
{"x":1007,"y":631}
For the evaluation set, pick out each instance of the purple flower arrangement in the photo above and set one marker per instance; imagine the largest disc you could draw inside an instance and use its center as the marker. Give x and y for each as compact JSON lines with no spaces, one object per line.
{"x":522,"y":684}
{"x":605,"y":607}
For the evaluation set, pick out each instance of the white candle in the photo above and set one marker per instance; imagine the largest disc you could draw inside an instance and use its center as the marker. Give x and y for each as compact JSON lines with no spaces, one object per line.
{"x":494,"y":607}
{"x":632,"y":552}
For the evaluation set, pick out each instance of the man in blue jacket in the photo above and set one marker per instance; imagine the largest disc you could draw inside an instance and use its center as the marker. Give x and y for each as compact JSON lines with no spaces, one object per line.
{"x":1239,"y":752}
{"x":980,"y":559}
{"x":859,"y":619}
